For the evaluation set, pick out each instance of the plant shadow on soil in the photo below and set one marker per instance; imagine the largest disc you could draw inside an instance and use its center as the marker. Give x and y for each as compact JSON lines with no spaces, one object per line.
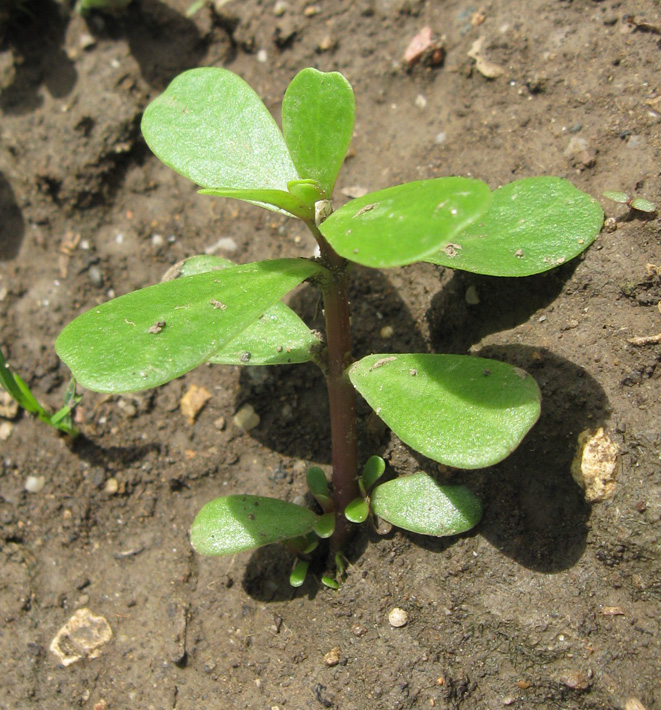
{"x":163,"y":42}
{"x":12,"y":227}
{"x":37,"y":35}
{"x":534,"y":512}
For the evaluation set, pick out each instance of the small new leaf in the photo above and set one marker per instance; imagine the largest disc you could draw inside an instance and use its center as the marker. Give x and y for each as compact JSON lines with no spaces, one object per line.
{"x":325,"y":525}
{"x":299,"y":573}
{"x":357,"y":511}
{"x":318,"y":113}
{"x":317,"y":482}
{"x":374,"y":468}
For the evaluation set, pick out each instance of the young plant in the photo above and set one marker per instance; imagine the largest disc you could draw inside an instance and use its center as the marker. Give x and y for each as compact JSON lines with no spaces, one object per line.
{"x":18,"y":390}
{"x":640,"y":204}
{"x":465,"y":412}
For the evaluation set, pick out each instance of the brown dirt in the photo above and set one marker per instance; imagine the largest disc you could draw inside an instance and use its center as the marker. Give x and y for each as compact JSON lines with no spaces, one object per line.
{"x":549,"y":603}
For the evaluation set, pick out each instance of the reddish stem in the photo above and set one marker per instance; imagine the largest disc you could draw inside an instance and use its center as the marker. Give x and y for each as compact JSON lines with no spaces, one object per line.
{"x":341,"y":394}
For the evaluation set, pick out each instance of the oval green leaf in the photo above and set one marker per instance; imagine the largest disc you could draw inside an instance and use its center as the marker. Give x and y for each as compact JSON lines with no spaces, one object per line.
{"x":419,"y":504}
{"x":325,"y":525}
{"x":532,"y":225}
{"x":318,"y":112}
{"x":330,"y":582}
{"x":620,"y":197}
{"x":405,"y":223}
{"x":149,"y":337}
{"x":317,"y":481}
{"x":374,"y":468}
{"x":643,"y":205}
{"x":231,"y":524}
{"x":299,"y":573}
{"x":357,"y":511}
{"x":213,"y":129}
{"x":277,"y":200}
{"x":466,"y":412}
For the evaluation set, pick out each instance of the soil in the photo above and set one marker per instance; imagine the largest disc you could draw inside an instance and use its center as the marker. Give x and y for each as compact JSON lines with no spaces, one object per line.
{"x":550,"y":602}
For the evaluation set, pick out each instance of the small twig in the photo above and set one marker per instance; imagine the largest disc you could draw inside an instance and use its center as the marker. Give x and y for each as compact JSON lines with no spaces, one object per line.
{"x":645,"y":340}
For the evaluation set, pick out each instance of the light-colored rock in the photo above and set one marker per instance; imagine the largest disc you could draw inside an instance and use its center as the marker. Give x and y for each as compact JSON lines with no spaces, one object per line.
{"x":246,"y":418}
{"x":193,"y":402}
{"x":398,"y":617}
{"x":33,"y":484}
{"x":81,"y":637}
{"x":594,"y":465}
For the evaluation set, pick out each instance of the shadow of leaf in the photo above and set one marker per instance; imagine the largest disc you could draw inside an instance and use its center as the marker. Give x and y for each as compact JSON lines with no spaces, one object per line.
{"x":37,"y":37}
{"x":12,"y":225}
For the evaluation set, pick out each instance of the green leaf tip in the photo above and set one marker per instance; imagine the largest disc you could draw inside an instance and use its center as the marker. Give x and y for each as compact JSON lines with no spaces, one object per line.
{"x":317,"y":481}
{"x":419,"y":504}
{"x":357,"y":511}
{"x":325,"y":525}
{"x":330,"y":582}
{"x":234,"y":523}
{"x":299,"y":573}
{"x":405,"y":223}
{"x":462,"y":411}
{"x":531,"y":226}
{"x":318,"y":113}
{"x":374,"y":468}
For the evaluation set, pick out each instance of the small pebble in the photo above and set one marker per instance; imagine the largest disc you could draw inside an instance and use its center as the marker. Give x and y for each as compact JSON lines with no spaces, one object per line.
{"x":398,"y":617}
{"x":157,"y":241}
{"x":472,"y":299}
{"x":96,"y":277}
{"x":87,"y":41}
{"x":246,"y":418}
{"x":387,"y":331}
{"x":280,"y":8}
{"x":610,"y":225}
{"x":33,"y":484}
{"x":420,"y":101}
{"x":332,"y":658}
{"x":6,"y":429}
{"x":220,"y":423}
{"x":112,"y":486}
{"x":262,"y":56}
{"x":223,"y":244}
{"x":8,"y":405}
{"x":440,"y":138}
{"x":358,"y":630}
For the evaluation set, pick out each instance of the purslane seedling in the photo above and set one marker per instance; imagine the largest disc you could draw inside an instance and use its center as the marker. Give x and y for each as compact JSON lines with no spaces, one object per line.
{"x":465,"y":412}
{"x":18,"y":389}
{"x":640,"y":204}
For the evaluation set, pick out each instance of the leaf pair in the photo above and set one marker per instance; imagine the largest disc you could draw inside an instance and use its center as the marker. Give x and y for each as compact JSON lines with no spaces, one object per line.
{"x":236,"y":523}
{"x":523,"y":228}
{"x":151,"y":336}
{"x":211,"y":127}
